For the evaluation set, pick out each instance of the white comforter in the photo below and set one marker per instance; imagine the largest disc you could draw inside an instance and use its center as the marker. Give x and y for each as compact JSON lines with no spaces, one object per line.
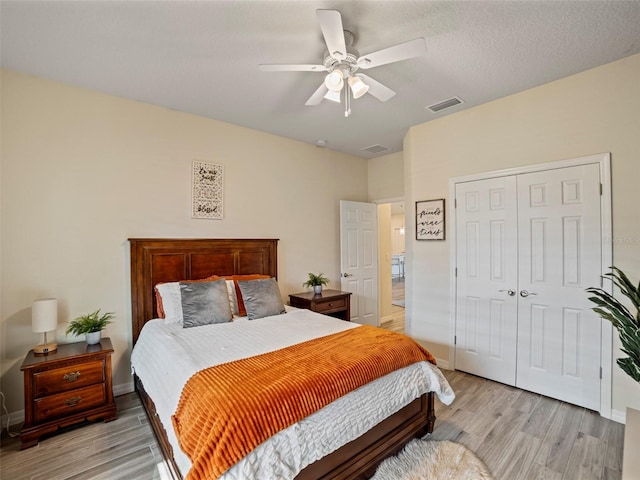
{"x":167,"y":355}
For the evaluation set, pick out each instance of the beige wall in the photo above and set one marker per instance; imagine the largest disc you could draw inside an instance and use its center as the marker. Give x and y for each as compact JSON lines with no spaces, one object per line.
{"x":82,"y":172}
{"x":386,"y":178}
{"x":593,"y":112}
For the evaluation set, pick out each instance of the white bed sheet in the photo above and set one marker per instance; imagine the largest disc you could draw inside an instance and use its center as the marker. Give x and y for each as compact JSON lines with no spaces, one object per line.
{"x":167,"y":355}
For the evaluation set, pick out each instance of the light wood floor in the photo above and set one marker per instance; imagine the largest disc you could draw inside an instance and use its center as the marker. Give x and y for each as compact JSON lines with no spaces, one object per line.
{"x":518,"y":434}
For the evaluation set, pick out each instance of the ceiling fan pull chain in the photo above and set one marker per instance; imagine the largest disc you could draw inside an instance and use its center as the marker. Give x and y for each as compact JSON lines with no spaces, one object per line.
{"x":347,"y":102}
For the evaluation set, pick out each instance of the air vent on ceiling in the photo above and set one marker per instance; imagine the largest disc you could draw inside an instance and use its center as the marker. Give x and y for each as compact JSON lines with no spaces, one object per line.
{"x":375,"y":149}
{"x":451,"y":102}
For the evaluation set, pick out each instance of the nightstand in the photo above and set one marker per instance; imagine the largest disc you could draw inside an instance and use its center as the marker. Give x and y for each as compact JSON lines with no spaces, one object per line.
{"x":68,"y":386}
{"x":330,"y":302}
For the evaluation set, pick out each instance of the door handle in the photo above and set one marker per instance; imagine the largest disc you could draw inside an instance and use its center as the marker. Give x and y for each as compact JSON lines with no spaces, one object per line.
{"x":511,"y":292}
{"x":524,"y":293}
{"x":345,"y":275}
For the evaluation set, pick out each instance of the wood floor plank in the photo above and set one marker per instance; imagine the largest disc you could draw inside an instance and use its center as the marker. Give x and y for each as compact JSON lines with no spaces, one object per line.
{"x":517,"y":456}
{"x":541,"y":417}
{"x":502,"y":436}
{"x":615,"y":443}
{"x":586,"y":461}
{"x":561,"y":436}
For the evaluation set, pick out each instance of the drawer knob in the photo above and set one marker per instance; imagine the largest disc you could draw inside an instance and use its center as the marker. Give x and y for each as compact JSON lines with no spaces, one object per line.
{"x":71,"y":376}
{"x":73,"y":401}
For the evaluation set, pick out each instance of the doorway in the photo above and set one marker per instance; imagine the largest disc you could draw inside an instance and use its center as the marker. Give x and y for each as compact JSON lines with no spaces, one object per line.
{"x":391,"y":262}
{"x":397,"y":254}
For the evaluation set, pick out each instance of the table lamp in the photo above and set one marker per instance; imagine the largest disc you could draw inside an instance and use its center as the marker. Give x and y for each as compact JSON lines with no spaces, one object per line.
{"x":44,"y":318}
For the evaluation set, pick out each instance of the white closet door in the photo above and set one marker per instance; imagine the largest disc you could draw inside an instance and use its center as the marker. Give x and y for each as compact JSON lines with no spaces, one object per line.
{"x":559,"y":256}
{"x":486,"y":312}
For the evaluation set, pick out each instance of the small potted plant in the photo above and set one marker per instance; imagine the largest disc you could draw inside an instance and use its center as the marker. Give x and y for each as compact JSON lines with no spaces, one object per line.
{"x":90,"y":325}
{"x":317,"y":282}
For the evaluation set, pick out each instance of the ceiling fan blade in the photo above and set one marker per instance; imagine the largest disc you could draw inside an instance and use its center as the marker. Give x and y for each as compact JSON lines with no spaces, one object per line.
{"x":291,"y":68}
{"x":317,"y":96}
{"x":403,"y":51}
{"x":378,"y":90}
{"x":333,"y":32}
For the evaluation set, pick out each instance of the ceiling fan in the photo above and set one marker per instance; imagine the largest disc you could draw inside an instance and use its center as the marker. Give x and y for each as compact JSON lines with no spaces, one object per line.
{"x":343,"y":62}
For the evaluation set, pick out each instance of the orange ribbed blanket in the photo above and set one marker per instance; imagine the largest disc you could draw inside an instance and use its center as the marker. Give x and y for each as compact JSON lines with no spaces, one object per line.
{"x":227,"y":410}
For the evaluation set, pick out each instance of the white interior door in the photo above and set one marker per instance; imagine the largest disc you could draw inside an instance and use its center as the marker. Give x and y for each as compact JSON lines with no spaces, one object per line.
{"x":560,"y":255}
{"x":486,"y":321}
{"x":359,"y":259}
{"x":527,"y":246}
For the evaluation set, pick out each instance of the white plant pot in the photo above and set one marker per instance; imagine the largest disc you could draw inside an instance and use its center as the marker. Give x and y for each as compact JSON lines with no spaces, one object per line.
{"x":93,"y":337}
{"x":317,"y":289}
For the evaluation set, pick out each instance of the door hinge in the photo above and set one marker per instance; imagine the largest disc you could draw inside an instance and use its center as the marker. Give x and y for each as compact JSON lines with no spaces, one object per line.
{"x":456,"y":272}
{"x":600,"y":189}
{"x":455,"y":203}
{"x":455,"y":339}
{"x":600,"y":373}
{"x":601,"y":281}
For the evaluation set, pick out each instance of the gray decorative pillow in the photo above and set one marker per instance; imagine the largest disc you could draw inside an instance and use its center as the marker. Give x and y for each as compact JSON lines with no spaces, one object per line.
{"x":204,"y":303}
{"x":261,"y":297}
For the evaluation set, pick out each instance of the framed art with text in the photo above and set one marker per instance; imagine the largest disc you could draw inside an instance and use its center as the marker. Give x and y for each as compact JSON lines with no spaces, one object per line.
{"x":430,"y":219}
{"x":207,"y":190}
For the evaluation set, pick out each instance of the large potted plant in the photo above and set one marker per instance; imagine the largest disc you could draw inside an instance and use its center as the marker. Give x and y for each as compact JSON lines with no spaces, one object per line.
{"x":624,"y":320}
{"x":317,"y":282}
{"x":90,"y":325}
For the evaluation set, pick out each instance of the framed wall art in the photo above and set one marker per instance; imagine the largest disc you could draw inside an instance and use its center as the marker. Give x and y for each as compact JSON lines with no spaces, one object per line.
{"x":207,"y":190}
{"x":430,"y":220}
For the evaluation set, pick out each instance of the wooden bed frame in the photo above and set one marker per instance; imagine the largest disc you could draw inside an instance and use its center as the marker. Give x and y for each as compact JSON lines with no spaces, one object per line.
{"x":169,"y":260}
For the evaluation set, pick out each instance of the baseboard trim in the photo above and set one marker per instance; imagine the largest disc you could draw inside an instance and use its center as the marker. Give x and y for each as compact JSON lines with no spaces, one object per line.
{"x":17,"y":418}
{"x":123,"y":389}
{"x":618,"y":416}
{"x":443,"y":364}
{"x":386,"y":319}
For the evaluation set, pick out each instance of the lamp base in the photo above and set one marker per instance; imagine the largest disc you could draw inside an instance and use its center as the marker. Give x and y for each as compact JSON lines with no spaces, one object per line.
{"x":45,"y":348}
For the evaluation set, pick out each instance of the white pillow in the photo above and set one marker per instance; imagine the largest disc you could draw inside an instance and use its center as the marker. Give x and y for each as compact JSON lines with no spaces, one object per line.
{"x":233,"y":300}
{"x":171,"y":301}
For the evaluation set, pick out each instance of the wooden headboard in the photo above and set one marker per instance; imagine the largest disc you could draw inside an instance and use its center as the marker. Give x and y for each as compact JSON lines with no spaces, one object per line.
{"x":156,"y":260}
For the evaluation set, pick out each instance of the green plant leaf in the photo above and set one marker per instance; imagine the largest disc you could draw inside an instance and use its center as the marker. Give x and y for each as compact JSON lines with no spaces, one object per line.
{"x":626,"y":287}
{"x":628,"y":325}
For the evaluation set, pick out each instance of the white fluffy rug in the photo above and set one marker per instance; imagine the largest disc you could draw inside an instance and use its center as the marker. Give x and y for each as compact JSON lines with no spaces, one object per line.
{"x":426,"y":459}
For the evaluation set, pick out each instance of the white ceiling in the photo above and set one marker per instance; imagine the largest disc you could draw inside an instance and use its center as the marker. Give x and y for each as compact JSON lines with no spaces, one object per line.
{"x":202,"y":57}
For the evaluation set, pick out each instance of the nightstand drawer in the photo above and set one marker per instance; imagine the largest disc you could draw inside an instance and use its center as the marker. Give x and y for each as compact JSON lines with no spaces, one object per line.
{"x":339,"y":304}
{"x":67,"y":378}
{"x":66,"y":403}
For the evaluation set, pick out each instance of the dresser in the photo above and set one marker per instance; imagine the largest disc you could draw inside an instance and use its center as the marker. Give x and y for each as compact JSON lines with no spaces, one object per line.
{"x":68,"y":386}
{"x":329,"y":302}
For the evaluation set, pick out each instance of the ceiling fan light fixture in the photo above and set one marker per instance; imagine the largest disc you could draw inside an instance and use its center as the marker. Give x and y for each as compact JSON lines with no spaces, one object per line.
{"x":333,"y":96}
{"x":358,"y":87}
{"x":334,"y":81}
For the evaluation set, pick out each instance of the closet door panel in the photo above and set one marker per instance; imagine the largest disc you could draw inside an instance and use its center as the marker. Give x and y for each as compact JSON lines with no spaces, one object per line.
{"x":559,"y":256}
{"x":486,"y":250}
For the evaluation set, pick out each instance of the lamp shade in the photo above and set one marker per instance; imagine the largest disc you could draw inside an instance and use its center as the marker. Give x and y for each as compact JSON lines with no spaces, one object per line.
{"x":334,"y":80}
{"x":358,"y":87}
{"x":44,"y":315}
{"x":333,"y":96}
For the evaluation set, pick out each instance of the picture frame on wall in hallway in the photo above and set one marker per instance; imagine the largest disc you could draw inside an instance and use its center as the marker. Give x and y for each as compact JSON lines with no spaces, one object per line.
{"x":430,"y":220}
